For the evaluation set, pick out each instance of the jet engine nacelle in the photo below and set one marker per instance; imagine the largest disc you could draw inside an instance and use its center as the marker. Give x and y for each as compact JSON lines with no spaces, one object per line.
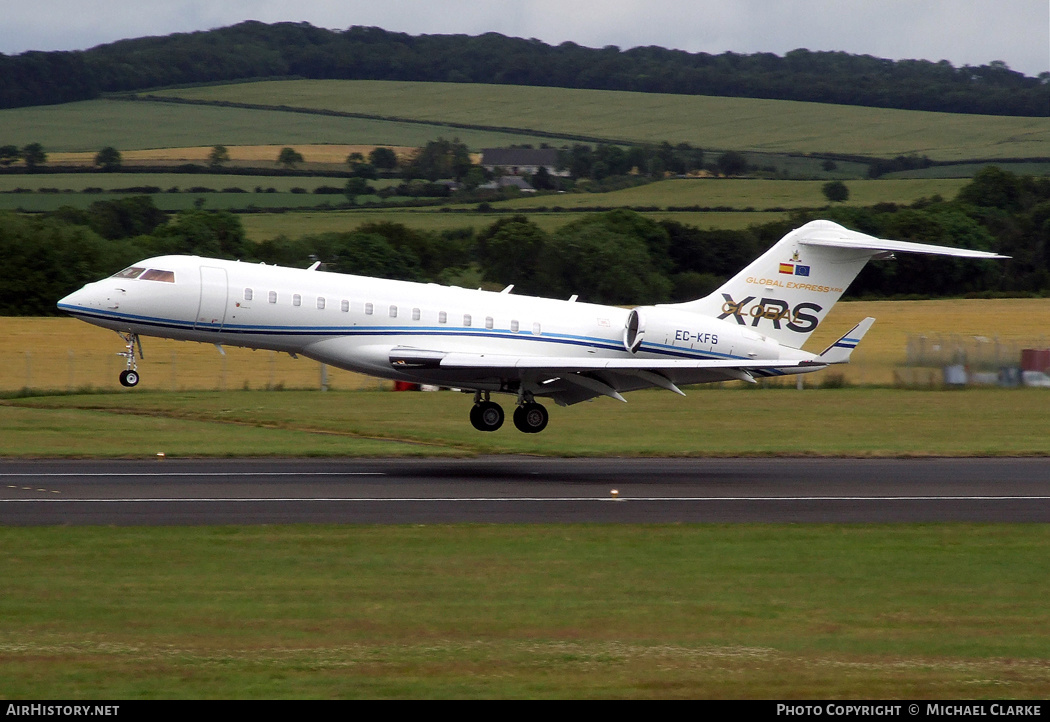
{"x":666,"y":329}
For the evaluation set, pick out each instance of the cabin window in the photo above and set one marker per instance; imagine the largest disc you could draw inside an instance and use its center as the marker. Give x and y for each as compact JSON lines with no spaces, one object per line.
{"x":297,"y":300}
{"x":320,"y":302}
{"x":130,"y":272}
{"x":393,"y":312}
{"x":344,"y":306}
{"x":415,"y":314}
{"x":273,"y":297}
{"x":488,"y":322}
{"x":155,"y":275}
{"x":442,"y":317}
{"x":248,"y":293}
{"x":368,"y":309}
{"x":514,"y":326}
{"x":466,"y":319}
{"x":536,"y":328}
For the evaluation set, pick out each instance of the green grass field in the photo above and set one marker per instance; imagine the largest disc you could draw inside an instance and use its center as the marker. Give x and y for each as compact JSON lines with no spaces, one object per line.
{"x":742,"y":124}
{"x":128,"y":125}
{"x":762,"y":126}
{"x":708,"y":422}
{"x":746,"y":193}
{"x":945,"y":611}
{"x":262,"y":226}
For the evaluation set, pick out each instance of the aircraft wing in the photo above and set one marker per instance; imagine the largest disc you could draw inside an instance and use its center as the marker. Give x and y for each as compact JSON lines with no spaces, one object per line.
{"x":569,"y":379}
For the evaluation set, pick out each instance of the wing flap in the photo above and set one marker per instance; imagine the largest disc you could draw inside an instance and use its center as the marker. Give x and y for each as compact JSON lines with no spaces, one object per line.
{"x":568,"y":364}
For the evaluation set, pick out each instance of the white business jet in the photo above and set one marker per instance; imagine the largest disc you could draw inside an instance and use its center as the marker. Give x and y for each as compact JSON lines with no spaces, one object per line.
{"x":753,"y":326}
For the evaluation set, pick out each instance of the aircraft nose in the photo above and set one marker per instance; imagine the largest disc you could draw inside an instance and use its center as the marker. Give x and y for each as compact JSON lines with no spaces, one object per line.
{"x":77,"y":299}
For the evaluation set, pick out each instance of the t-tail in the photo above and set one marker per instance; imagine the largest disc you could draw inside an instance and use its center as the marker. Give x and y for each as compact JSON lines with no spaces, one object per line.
{"x":790,"y":288}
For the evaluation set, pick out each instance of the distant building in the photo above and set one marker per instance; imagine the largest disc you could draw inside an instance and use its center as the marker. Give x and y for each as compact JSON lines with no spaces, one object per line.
{"x":507,"y":181}
{"x":521,"y":161}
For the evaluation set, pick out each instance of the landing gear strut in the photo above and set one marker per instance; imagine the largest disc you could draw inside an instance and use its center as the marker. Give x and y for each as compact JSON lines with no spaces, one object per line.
{"x":130,"y":375}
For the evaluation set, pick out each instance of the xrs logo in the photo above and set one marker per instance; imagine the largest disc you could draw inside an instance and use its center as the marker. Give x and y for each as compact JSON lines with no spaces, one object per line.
{"x":772,"y":309}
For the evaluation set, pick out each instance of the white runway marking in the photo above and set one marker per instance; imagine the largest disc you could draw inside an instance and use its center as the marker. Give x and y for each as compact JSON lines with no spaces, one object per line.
{"x":153,"y":500}
{"x":50,"y":474}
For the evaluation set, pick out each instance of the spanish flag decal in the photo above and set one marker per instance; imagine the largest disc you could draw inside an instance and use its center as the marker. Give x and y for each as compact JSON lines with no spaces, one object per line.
{"x":788,"y":268}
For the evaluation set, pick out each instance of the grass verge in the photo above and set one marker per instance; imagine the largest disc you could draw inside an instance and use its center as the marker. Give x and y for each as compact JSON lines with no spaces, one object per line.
{"x":703,"y":611}
{"x":709,"y":422}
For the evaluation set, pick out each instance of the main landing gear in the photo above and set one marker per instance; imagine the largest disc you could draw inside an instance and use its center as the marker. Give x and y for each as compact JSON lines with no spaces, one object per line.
{"x":130,"y":376}
{"x":529,"y":417}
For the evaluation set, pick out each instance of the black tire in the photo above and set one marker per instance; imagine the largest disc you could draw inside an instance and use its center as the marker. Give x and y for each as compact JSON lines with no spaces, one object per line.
{"x":531,"y":418}
{"x":129,"y":378}
{"x":486,"y":416}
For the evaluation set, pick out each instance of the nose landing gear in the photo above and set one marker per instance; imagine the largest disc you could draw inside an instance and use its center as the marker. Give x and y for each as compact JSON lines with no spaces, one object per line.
{"x":130,"y":376}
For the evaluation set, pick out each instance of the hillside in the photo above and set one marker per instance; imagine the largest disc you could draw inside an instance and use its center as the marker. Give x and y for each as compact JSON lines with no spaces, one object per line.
{"x":253,"y":50}
{"x":409,"y":114}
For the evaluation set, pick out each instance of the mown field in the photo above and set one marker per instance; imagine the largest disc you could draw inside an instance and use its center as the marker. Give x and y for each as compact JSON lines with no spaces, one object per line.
{"x":130,"y":125}
{"x":743,"y":193}
{"x":262,"y":226}
{"x":866,"y":422}
{"x":946,"y":611}
{"x":766,"y":126}
{"x":708,"y":122}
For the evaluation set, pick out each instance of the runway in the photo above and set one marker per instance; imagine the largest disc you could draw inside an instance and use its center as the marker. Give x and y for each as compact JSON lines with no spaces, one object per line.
{"x":522,"y":490}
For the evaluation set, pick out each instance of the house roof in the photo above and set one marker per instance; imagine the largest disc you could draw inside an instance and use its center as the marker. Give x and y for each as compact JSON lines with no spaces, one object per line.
{"x":519,"y":156}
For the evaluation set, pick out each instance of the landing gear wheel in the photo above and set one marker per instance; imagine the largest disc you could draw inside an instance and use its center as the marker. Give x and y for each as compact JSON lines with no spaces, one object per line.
{"x":129,"y":377}
{"x":486,"y":416}
{"x":531,"y":418}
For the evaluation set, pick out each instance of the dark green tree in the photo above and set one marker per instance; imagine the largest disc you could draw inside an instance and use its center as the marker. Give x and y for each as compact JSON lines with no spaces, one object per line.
{"x":508,"y":250}
{"x":289,"y":158}
{"x":440,"y":159}
{"x":218,"y":234}
{"x":218,"y":156}
{"x":9,"y":154}
{"x":123,"y":218}
{"x":108,"y":159}
{"x":383,"y":158}
{"x":732,"y":163}
{"x":602,"y":264}
{"x":835,"y":191}
{"x":355,"y":187}
{"x":33,"y":155}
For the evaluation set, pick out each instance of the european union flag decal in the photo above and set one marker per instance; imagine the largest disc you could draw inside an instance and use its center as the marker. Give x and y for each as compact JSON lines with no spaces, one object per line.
{"x":801,"y":270}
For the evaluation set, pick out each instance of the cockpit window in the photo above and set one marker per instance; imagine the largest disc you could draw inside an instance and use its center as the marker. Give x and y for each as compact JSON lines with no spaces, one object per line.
{"x":155,"y":275}
{"x":130,"y":272}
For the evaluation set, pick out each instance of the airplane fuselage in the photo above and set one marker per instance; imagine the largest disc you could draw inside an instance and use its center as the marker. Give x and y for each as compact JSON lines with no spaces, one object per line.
{"x":354,"y":322}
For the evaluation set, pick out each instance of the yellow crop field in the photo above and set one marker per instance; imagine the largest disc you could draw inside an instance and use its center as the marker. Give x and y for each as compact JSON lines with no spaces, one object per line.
{"x":67,"y":354}
{"x":63,"y":353}
{"x":326,"y":154}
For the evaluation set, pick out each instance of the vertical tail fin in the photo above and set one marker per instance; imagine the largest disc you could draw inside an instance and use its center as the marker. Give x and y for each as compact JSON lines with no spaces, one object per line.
{"x":788,"y":290}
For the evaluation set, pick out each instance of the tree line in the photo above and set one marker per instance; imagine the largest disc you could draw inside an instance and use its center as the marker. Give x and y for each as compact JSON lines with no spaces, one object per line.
{"x":252,"y":50}
{"x":618,"y":257}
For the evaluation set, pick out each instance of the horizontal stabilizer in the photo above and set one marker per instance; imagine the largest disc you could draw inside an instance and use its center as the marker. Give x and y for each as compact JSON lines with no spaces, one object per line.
{"x":839,"y":352}
{"x":832,"y":235}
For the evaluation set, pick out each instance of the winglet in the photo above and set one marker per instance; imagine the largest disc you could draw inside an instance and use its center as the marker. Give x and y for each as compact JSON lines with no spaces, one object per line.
{"x":839,"y":352}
